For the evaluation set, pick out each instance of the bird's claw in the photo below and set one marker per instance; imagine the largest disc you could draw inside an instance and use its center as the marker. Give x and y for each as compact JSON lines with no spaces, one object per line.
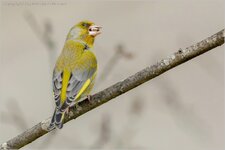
{"x":67,"y":111}
{"x":79,"y":108}
{"x":89,"y":97}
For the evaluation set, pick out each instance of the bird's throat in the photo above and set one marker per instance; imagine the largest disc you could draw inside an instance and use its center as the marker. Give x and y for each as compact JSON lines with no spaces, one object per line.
{"x":89,"y":40}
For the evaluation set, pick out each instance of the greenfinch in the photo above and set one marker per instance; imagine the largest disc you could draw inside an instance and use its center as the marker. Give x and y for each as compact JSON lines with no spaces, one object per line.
{"x":75,"y":70}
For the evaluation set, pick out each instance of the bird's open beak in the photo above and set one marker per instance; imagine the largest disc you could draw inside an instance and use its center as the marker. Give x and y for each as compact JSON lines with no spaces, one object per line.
{"x":94,"y":30}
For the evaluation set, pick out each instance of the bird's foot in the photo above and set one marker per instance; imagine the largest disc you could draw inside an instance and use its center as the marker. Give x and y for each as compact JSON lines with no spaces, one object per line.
{"x":67,"y":111}
{"x":79,"y":108}
{"x":89,"y":97}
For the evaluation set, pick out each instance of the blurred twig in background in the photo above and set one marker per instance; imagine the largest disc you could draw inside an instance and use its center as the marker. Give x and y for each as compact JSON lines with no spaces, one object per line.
{"x":105,"y":135}
{"x":210,"y":69}
{"x":45,"y":36}
{"x":137,"y":106}
{"x":184,"y":116}
{"x":105,"y":132}
{"x":120,"y":52}
{"x":124,"y":140}
{"x":129,"y":131}
{"x":14,"y":115}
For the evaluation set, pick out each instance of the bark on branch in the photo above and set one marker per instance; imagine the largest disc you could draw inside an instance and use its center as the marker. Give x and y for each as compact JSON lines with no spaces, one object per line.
{"x":179,"y":57}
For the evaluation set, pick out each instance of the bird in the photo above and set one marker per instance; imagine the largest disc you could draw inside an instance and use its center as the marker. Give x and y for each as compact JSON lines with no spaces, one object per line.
{"x":75,"y":70}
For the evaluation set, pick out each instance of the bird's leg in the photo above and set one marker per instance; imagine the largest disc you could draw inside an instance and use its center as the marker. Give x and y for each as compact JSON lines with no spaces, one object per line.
{"x":89,"y":97}
{"x":67,"y":110}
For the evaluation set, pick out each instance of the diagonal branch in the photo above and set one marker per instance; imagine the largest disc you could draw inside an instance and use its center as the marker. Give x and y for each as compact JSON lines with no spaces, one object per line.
{"x":121,"y":87}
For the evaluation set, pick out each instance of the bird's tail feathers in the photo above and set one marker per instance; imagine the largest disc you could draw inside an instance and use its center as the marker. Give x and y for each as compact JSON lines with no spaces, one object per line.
{"x":59,"y":115}
{"x":57,"y":119}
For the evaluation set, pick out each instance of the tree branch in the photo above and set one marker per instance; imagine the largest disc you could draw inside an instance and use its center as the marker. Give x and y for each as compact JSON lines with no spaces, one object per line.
{"x":121,"y":87}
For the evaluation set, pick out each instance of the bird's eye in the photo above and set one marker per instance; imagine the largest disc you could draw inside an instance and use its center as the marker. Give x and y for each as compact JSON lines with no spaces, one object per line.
{"x":85,"y":25}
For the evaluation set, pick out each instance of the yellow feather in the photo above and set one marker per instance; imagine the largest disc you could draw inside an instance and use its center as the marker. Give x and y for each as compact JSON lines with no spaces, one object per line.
{"x":84,"y":87}
{"x":66,"y":77}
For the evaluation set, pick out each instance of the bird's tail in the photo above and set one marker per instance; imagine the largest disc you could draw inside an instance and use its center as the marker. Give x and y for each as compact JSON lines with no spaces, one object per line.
{"x":57,"y":119}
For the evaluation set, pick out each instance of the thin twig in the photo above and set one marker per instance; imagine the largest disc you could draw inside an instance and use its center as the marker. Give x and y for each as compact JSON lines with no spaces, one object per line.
{"x":104,"y":134}
{"x":15,"y":115}
{"x":45,"y":36}
{"x":119,"y":53}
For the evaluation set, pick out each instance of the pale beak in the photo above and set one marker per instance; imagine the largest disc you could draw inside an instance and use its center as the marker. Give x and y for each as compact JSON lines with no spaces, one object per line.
{"x":94,"y":30}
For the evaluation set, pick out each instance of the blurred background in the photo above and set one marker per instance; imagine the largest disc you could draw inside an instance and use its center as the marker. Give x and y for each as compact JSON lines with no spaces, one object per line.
{"x":181,"y":109}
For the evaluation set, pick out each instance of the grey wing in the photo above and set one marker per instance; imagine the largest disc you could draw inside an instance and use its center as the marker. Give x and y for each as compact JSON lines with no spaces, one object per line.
{"x":75,"y":84}
{"x":57,"y":86}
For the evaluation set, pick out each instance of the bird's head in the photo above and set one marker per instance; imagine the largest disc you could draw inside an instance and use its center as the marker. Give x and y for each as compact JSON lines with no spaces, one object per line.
{"x":84,"y":30}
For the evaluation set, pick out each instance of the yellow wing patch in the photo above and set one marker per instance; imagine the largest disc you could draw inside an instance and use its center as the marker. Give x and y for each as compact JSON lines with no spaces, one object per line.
{"x":84,"y":87}
{"x":66,"y":77}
